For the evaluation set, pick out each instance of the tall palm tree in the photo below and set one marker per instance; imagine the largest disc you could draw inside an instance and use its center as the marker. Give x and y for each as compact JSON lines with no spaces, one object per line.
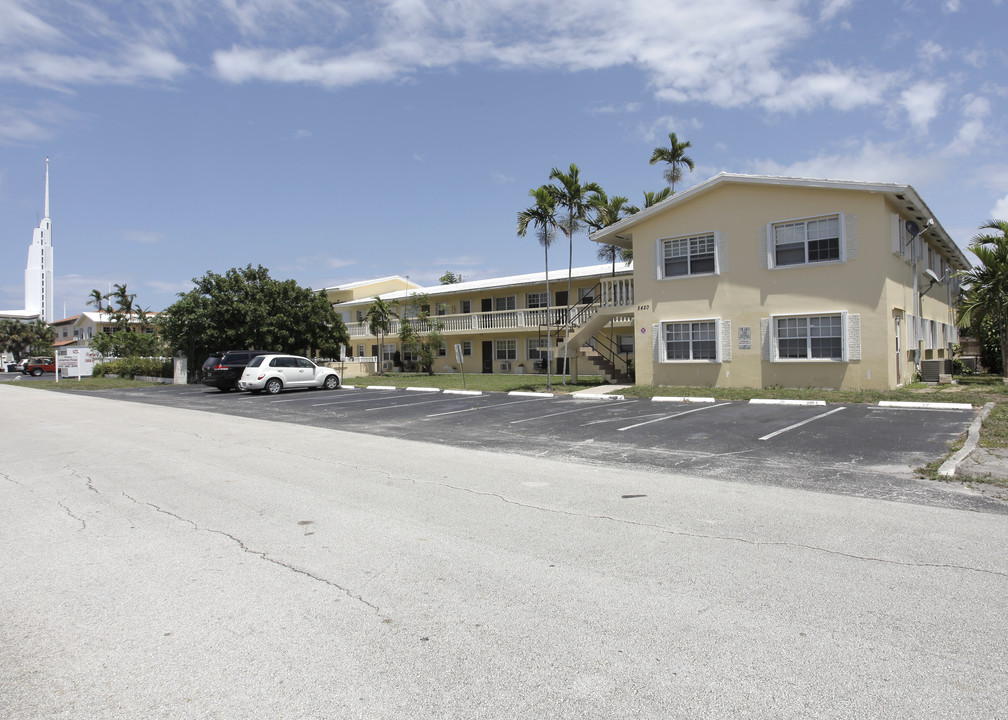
{"x":542,"y":215}
{"x":676,"y":157}
{"x":95,"y":299}
{"x":609,"y":211}
{"x":572,"y":194}
{"x":379,"y":319}
{"x":986,"y":294}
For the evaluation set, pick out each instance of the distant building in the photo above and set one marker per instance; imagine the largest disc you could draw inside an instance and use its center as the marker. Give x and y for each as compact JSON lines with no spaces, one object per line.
{"x":38,"y":288}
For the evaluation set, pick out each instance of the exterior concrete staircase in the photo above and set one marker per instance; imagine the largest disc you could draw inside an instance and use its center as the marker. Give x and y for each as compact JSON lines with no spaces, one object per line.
{"x":594,"y":363}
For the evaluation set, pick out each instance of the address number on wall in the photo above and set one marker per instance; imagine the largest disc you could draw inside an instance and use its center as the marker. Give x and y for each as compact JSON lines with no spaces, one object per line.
{"x":643,"y":307}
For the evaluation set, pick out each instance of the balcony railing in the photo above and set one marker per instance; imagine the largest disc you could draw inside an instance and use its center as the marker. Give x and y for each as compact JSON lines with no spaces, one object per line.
{"x":615,"y":292}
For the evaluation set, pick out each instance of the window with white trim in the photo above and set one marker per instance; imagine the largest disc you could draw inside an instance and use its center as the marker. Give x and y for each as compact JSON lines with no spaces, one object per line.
{"x":505,"y":349}
{"x":810,"y":337}
{"x":537,"y":348}
{"x":694,"y":340}
{"x":466,"y":348}
{"x":691,"y":255}
{"x":504,"y":303}
{"x":536,"y":300}
{"x":801,"y":242}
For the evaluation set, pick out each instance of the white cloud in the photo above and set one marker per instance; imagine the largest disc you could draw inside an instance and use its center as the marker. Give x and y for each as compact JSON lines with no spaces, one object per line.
{"x":951,"y":6}
{"x":921,"y":102}
{"x":630,"y":107}
{"x":501,"y":178}
{"x":868,"y":163}
{"x":832,"y":8}
{"x":143,"y":237}
{"x":842,"y":89}
{"x":660,"y":128}
{"x":972,"y":129}
{"x":1000,"y":209}
{"x":930,"y":52}
{"x":302,"y":134}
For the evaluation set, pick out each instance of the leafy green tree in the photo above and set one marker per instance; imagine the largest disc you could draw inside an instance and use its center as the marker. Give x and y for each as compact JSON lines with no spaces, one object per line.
{"x":379,"y":321}
{"x":450,"y":278}
{"x":573,"y":195}
{"x":609,"y":211}
{"x":986,"y":285}
{"x":542,"y":215}
{"x":676,"y":157}
{"x":245,"y":308}
{"x":95,"y":299}
{"x":419,"y":332}
{"x":22,"y":339}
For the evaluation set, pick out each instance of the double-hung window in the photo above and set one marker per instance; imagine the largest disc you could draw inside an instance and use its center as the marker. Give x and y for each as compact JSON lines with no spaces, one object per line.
{"x":504,"y":303}
{"x":811,"y":337}
{"x":695,"y":340}
{"x":799,"y":242}
{"x":536,"y":300}
{"x":688,"y":256}
{"x":506,"y":349}
{"x":537,"y":348}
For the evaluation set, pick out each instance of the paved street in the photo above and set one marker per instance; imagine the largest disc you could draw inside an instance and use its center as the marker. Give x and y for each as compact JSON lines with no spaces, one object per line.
{"x":161,"y":561}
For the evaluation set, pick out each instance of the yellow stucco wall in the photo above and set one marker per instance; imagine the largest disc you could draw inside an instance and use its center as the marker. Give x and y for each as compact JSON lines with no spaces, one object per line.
{"x":869,"y":284}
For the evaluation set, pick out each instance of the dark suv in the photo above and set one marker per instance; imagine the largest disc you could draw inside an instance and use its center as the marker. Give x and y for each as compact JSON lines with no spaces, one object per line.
{"x":225,"y":374}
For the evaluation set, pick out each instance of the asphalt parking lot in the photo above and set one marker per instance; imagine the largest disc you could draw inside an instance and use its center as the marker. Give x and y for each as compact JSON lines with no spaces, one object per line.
{"x":859,"y":450}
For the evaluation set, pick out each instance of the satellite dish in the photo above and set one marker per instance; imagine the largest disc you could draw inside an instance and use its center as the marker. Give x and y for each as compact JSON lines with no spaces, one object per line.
{"x":912,"y":228}
{"x":931,"y":274}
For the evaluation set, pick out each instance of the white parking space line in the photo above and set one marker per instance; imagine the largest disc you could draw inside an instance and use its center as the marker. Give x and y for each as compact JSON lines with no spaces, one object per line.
{"x":803,"y":422}
{"x":562,"y":412}
{"x":481,"y":407}
{"x":675,"y":415}
{"x":407,"y":405}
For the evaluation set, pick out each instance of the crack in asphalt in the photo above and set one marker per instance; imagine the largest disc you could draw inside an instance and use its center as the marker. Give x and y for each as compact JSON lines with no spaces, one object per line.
{"x":8,"y":478}
{"x":70,"y":513}
{"x":729,"y":538}
{"x":263,"y":555}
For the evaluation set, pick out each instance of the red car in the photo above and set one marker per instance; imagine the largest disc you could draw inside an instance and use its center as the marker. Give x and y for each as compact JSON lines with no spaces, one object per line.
{"x":38,"y":365}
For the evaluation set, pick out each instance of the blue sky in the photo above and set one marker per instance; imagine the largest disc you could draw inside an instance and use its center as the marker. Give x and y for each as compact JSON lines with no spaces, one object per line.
{"x":337,"y":140}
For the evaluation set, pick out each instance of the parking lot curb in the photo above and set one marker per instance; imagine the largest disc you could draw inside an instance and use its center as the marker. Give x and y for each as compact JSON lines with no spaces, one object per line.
{"x":463,"y":392}
{"x":948,"y":468}
{"x":672,"y":398}
{"x":925,"y":405}
{"x":524,"y":393}
{"x":596,"y":396}
{"x":424,"y":389}
{"x":382,"y":387}
{"x":769,"y":401}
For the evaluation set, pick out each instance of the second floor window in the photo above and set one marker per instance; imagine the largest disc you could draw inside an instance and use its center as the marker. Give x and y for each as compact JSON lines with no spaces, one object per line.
{"x":688,"y":256}
{"x":806,"y":241}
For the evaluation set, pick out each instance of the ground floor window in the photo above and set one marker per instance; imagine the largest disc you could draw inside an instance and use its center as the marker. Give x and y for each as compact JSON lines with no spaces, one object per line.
{"x":695,"y":340}
{"x":537,"y":348}
{"x":625,"y":343}
{"x":506,"y":349}
{"x":810,"y":337}
{"x":442,"y":350}
{"x":466,"y":348}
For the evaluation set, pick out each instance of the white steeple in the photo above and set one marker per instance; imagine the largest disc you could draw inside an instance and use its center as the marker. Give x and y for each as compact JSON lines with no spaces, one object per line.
{"x":39,"y":271}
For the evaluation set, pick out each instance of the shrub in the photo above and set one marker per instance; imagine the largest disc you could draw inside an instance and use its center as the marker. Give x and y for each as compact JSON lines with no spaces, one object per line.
{"x":132,"y":366}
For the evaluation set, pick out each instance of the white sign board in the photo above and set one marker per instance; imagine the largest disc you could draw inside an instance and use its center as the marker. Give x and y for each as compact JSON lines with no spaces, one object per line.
{"x":76,"y":362}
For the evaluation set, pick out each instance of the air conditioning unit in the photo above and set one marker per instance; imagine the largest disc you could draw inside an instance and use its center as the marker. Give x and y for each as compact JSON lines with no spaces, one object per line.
{"x":505,"y":367}
{"x":386,"y":365}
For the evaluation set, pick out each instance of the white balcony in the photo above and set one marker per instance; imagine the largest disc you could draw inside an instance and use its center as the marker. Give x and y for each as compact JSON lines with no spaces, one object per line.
{"x":613,"y":293}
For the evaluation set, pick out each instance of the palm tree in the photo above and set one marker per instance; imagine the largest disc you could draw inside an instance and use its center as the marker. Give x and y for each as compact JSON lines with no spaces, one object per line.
{"x":653,"y":197}
{"x":573,"y":195}
{"x":542,"y":215}
{"x":676,"y":157}
{"x":609,"y":211}
{"x":986,"y":294}
{"x":95,"y":299}
{"x":379,"y":319}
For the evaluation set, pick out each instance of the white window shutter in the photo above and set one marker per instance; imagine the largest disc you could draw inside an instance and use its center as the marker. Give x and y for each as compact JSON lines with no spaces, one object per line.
{"x":722,"y":253}
{"x":764,"y":253}
{"x":655,"y":343}
{"x":658,"y":260}
{"x":725,"y":346}
{"x":766,"y":340}
{"x":897,"y":241}
{"x":850,"y":234}
{"x":853,"y":336}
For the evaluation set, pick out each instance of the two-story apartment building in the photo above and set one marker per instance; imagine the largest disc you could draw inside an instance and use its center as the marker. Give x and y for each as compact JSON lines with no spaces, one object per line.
{"x":752,"y":281}
{"x":501,"y":324}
